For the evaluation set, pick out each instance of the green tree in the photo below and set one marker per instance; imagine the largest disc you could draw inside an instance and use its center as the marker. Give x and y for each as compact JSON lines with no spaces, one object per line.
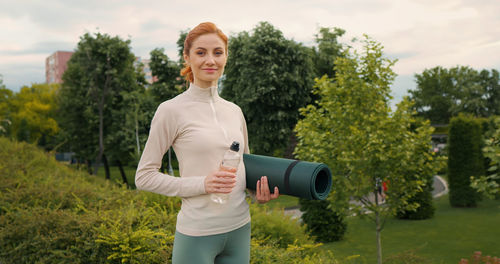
{"x":5,"y":96}
{"x":435,"y":95}
{"x":365,"y":143}
{"x":443,"y":93}
{"x":489,"y":185}
{"x":168,"y":82}
{"x":99,"y":74}
{"x":327,"y":50}
{"x":491,"y":83}
{"x":32,"y":112}
{"x":270,"y":78}
{"x":180,"y":45}
{"x":323,"y":221}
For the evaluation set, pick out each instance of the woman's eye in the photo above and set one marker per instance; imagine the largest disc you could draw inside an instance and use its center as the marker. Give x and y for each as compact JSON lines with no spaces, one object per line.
{"x":200,"y":52}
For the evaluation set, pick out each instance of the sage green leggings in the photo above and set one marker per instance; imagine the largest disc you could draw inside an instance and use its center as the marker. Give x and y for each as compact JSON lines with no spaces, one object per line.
{"x":227,"y":248}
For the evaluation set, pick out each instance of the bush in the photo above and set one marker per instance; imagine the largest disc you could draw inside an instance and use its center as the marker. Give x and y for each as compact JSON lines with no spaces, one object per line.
{"x":323,"y":223}
{"x":465,"y":159}
{"x":426,"y":208}
{"x":275,"y":228}
{"x":50,"y":213}
{"x":478,"y":258}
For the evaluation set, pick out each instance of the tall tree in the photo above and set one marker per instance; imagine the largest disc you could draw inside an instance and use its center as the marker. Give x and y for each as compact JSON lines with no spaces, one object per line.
{"x":168,"y":82}
{"x":435,"y":95}
{"x":102,"y":66}
{"x":324,"y":222}
{"x":270,"y":78}
{"x":365,"y":143}
{"x":443,"y":93}
{"x":489,"y":185}
{"x":5,"y":97}
{"x":32,"y":112}
{"x":327,"y":50}
{"x":491,"y":83}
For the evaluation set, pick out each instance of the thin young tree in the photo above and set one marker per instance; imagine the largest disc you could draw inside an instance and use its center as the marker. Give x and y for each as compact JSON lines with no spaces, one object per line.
{"x":354,"y":130}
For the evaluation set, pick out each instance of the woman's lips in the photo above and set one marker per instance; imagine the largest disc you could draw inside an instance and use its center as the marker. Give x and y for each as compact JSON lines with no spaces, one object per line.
{"x":210,"y":70}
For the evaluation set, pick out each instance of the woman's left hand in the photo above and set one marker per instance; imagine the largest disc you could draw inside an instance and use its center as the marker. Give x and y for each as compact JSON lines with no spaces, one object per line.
{"x":263,"y":194}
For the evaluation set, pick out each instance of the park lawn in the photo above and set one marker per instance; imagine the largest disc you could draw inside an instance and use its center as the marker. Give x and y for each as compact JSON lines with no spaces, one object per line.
{"x":453,"y":234}
{"x":284,"y":201}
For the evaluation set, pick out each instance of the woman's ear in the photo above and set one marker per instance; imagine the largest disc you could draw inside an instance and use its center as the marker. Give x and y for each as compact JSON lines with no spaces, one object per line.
{"x":186,"y":59}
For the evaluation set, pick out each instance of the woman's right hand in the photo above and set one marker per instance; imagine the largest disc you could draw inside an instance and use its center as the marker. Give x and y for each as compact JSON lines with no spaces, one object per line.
{"x":221,"y":181}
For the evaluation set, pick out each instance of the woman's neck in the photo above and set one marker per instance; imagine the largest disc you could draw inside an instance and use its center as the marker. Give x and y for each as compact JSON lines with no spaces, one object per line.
{"x":205,"y":84}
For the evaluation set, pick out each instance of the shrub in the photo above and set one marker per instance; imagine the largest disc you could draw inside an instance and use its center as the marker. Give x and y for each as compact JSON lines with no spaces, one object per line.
{"x":465,"y":159}
{"x":426,"y":208}
{"x":322,"y":222}
{"x":274,"y":227}
{"x":50,"y":213}
{"x":478,"y":258}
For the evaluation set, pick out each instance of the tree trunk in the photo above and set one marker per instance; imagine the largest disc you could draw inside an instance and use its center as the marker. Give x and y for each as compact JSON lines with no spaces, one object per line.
{"x":292,"y":143}
{"x":122,"y":172}
{"x":137,"y":130}
{"x":378,"y":230}
{"x":106,"y":167}
{"x":101,"y":136}
{"x":89,"y":166}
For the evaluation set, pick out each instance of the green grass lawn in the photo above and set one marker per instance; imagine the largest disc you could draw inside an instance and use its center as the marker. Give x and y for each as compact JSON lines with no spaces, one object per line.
{"x":284,"y":201}
{"x":452,"y":234}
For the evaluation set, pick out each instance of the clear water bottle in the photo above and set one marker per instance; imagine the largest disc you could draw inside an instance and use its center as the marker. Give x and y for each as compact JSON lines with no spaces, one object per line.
{"x":231,"y":161}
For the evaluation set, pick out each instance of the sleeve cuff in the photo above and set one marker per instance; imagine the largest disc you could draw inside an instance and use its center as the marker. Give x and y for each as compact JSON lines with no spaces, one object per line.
{"x":192,"y":186}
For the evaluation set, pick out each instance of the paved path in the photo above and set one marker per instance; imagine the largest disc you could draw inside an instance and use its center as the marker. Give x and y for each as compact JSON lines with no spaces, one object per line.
{"x":439,"y":184}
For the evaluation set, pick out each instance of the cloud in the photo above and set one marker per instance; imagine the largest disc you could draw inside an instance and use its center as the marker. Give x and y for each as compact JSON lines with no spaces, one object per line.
{"x":420,"y":33}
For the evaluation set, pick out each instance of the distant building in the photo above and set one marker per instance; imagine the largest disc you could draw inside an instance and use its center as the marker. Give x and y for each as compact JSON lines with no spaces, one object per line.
{"x":55,"y":65}
{"x":148,"y":75}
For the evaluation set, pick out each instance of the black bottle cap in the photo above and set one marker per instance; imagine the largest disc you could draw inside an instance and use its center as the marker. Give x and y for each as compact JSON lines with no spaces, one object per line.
{"x":235,"y":146}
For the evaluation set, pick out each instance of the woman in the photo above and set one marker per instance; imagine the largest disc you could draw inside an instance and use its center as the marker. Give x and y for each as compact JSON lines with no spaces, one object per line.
{"x":201,"y":126}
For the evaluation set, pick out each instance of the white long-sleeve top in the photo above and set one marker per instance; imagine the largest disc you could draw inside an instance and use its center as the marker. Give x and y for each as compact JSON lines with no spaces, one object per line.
{"x":200,"y":126}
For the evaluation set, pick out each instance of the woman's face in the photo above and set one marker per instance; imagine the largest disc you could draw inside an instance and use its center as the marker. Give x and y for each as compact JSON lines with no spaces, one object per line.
{"x":207,"y":59}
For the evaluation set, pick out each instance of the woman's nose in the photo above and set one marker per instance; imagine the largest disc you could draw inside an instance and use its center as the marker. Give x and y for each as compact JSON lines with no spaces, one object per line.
{"x":210,"y":60}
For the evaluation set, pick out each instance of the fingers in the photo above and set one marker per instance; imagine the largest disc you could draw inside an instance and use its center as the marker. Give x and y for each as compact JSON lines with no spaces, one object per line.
{"x":266,"y":194}
{"x":220,"y":182}
{"x":263,"y":194}
{"x":276,"y":193}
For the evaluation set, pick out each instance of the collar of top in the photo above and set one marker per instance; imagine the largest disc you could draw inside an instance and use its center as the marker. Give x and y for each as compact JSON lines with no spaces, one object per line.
{"x":203,"y":94}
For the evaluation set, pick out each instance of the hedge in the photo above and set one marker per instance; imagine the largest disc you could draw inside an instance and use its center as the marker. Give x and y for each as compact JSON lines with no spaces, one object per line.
{"x":465,"y":159}
{"x":51,"y":213}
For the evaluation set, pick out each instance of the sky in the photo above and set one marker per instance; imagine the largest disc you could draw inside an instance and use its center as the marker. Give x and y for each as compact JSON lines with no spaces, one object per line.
{"x":421,"y":34}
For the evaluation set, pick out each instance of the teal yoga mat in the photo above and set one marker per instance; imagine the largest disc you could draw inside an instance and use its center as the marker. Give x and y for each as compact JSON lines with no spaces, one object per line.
{"x":303,"y":179}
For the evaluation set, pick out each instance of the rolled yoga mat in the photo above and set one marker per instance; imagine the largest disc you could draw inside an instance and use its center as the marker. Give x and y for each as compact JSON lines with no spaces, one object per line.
{"x":303,"y":179}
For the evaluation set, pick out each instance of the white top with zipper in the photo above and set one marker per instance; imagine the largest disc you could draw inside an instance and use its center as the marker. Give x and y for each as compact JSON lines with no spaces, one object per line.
{"x":200,"y":126}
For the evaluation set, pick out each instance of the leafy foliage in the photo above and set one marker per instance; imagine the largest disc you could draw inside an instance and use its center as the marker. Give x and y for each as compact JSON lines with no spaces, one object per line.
{"x":93,"y":98}
{"x":50,"y":213}
{"x":489,"y":184}
{"x":30,"y":112}
{"x":328,"y":49}
{"x":169,"y":82}
{"x":5,"y":96}
{"x":354,"y":131}
{"x":465,"y":159}
{"x":270,"y":78}
{"x":443,"y":93}
{"x":323,"y":222}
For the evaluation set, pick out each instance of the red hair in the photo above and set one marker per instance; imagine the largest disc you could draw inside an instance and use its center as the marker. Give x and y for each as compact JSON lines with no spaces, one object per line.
{"x":201,"y":29}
